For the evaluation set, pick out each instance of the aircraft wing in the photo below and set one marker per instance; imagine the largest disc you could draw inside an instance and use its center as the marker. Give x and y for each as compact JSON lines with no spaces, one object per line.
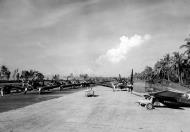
{"x":50,"y":87}
{"x":56,"y":86}
{"x":168,"y":93}
{"x":13,"y":87}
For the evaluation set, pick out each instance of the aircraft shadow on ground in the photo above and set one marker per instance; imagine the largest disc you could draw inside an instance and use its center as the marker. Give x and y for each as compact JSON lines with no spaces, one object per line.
{"x":171,"y":107}
{"x":180,"y":107}
{"x":94,"y":95}
{"x":46,"y":92}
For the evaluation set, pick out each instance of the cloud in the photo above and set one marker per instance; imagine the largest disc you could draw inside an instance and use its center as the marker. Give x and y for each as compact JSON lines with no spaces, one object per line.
{"x":115,"y":55}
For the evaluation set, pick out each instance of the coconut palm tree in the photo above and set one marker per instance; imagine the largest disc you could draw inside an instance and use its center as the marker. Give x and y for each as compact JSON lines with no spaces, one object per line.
{"x":5,"y":73}
{"x":25,"y":75}
{"x":160,"y":69}
{"x":167,"y":65}
{"x":147,"y":73}
{"x":38,"y":76}
{"x":187,"y":46}
{"x":177,"y":65}
{"x":15,"y":73}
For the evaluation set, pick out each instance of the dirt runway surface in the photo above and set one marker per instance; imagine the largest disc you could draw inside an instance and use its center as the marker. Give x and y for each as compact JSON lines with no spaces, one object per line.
{"x":107,"y":112}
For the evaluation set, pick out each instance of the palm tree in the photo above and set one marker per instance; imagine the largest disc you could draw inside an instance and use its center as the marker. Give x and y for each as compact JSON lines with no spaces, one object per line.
{"x":5,"y":73}
{"x":162,"y":68}
{"x":25,"y":75}
{"x":147,"y":73}
{"x":177,"y":65}
{"x":158,"y":69}
{"x":38,"y":76}
{"x":15,"y":74}
{"x":187,"y":46}
{"x":167,"y":65}
{"x":186,"y":62}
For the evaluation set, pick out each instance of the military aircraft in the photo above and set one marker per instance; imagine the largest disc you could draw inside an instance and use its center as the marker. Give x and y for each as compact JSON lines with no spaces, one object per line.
{"x":9,"y":87}
{"x":63,"y":85}
{"x":123,"y":83}
{"x":169,"y":98}
{"x":40,"y":89}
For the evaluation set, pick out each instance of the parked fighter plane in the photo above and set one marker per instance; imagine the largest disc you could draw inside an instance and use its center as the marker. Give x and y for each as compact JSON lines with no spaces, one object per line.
{"x":170,"y":98}
{"x":8,"y":87}
{"x":125,"y":84}
{"x":61,"y":86}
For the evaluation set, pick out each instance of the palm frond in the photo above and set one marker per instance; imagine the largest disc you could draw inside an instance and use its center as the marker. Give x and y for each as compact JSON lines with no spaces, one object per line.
{"x":185,"y":46}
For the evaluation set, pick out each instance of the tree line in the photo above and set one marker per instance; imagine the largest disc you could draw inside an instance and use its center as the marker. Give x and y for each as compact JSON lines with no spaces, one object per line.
{"x":6,"y":74}
{"x":173,"y":67}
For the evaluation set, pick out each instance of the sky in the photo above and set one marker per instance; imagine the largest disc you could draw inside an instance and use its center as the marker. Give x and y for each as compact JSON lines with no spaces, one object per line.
{"x":98,"y":37}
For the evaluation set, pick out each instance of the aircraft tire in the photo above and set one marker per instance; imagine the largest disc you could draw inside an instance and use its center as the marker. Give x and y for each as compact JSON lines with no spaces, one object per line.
{"x":149,"y":106}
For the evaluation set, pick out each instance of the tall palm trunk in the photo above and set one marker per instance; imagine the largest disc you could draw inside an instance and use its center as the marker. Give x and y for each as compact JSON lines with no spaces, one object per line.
{"x":168,"y":76}
{"x":179,"y":76}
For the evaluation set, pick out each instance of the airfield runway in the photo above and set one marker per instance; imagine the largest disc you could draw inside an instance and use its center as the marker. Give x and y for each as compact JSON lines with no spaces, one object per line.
{"x":107,"y":112}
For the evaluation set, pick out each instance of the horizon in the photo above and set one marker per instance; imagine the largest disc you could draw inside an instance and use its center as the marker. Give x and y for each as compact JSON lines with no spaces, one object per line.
{"x":97,"y":37}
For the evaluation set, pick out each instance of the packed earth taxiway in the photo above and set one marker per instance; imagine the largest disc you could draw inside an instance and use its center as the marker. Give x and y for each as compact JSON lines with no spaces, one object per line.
{"x":108,"y":111}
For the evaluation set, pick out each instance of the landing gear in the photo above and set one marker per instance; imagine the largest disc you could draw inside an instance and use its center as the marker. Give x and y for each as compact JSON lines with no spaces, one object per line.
{"x":60,"y":88}
{"x":40,"y":90}
{"x":149,"y":106}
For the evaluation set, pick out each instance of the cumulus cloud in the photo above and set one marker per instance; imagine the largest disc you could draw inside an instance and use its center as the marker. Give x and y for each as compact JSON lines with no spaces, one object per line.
{"x":115,"y":55}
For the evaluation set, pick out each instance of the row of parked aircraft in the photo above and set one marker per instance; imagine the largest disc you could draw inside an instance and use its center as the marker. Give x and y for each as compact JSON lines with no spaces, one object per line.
{"x":41,"y":86}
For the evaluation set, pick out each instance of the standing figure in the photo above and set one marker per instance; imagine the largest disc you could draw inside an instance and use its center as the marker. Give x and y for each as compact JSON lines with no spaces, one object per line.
{"x":26,"y":87}
{"x":2,"y":91}
{"x":131,"y":88}
{"x":113,"y":86}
